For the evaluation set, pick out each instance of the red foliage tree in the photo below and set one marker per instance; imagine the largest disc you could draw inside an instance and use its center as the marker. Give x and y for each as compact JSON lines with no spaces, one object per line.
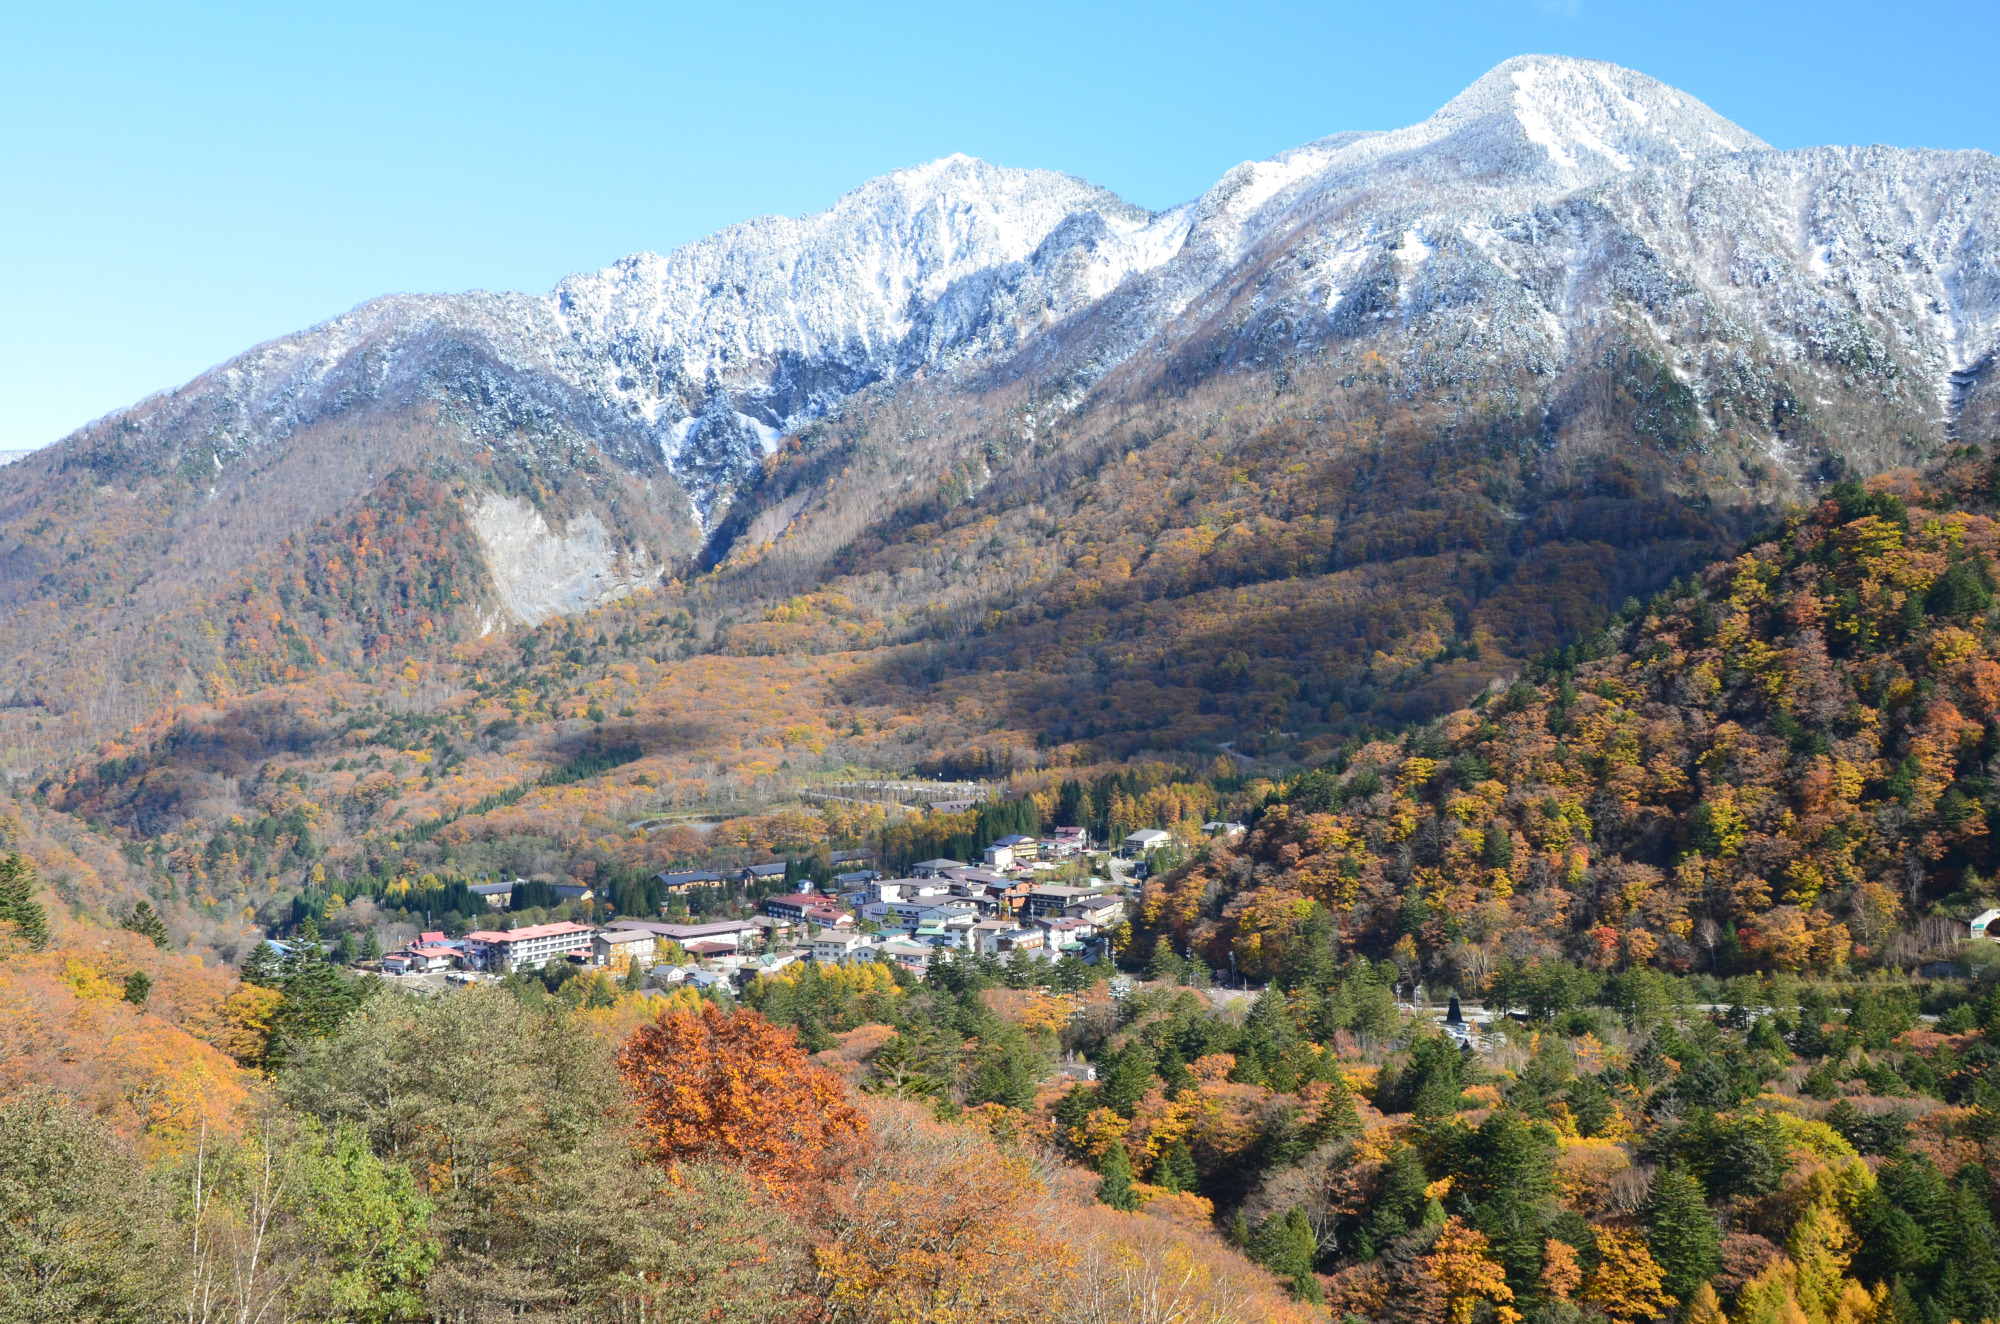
{"x":732,"y":1086}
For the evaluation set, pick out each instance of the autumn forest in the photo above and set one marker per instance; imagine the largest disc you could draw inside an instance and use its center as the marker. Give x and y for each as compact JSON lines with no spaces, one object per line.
{"x":1677,"y":779}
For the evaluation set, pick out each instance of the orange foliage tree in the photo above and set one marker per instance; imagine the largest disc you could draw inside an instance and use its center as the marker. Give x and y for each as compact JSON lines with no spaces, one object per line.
{"x":732,"y":1086}
{"x":1458,"y":1261}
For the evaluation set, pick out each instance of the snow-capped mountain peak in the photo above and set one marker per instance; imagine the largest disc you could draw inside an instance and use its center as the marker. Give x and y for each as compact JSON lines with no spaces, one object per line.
{"x":696,"y":361}
{"x":1587,"y":119}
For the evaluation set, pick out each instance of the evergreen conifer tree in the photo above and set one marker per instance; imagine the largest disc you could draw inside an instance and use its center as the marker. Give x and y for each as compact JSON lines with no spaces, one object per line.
{"x":1680,"y":1231}
{"x":813,"y":1037}
{"x":146,"y":922}
{"x":318,"y":997}
{"x":1174,"y":1073}
{"x":1128,"y":1074}
{"x":1285,"y":1244}
{"x":1072,"y":1111}
{"x":1513,"y":1179}
{"x":1901,"y":1306}
{"x":137,"y":987}
{"x":17,"y":900}
{"x":1115,"y":1172}
{"x":1399,"y":1207}
{"x":1177,"y":1170}
{"x":263,"y":967}
{"x":1337,"y":1118}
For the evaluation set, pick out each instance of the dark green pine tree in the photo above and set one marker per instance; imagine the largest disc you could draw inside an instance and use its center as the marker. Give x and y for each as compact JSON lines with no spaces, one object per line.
{"x":1282,"y":1142}
{"x":1399,"y":1205}
{"x":1072,"y":1111}
{"x":1006,"y":1069}
{"x":1177,"y":1171}
{"x":137,"y":988}
{"x":1513,"y":1179}
{"x":1114,"y":1186}
{"x":1163,"y":965}
{"x":1127,"y":1075}
{"x":1174,"y":1073}
{"x":146,"y":922}
{"x":1285,"y":1244}
{"x":18,"y":881}
{"x":318,"y":997}
{"x":263,"y":967}
{"x":1269,"y":1033}
{"x":1681,"y":1232}
{"x":1969,"y":1288}
{"x":813,"y":1036}
{"x":1901,"y":1307}
{"x":1336,"y":1118}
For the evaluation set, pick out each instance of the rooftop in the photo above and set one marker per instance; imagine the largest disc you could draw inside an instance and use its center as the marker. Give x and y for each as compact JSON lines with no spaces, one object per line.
{"x":532,"y":931}
{"x":683,"y":932}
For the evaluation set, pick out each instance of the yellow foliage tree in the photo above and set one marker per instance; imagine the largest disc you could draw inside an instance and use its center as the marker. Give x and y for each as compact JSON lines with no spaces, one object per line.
{"x":1459,"y":1263}
{"x":1626,"y":1286}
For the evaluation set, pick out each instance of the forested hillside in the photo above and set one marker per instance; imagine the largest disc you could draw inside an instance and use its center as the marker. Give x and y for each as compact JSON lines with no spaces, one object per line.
{"x":1782,"y":765}
{"x":1518,"y":559}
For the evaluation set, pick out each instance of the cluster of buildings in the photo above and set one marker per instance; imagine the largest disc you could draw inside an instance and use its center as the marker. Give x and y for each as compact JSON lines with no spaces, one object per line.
{"x":946,"y":907}
{"x":995,"y":908}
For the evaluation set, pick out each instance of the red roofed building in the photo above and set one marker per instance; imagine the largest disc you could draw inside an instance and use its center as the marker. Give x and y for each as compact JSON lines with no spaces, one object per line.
{"x":526,"y":949}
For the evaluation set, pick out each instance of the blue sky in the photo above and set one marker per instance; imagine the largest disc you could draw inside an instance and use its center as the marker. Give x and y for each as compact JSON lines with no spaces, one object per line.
{"x":178,"y":186}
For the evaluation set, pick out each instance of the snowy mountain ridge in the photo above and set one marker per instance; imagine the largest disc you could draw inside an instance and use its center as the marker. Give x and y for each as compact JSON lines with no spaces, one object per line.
{"x":1500,"y":231}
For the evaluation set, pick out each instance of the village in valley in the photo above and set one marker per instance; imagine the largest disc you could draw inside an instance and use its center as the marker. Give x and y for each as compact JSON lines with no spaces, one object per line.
{"x":1026,"y":899}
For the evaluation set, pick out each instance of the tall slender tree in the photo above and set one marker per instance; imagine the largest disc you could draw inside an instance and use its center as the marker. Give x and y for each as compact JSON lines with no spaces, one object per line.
{"x":1680,"y":1231}
{"x":18,"y":881}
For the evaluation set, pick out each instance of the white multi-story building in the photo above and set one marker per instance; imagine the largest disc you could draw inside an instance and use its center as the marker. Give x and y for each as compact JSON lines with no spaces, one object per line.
{"x":527,"y":949}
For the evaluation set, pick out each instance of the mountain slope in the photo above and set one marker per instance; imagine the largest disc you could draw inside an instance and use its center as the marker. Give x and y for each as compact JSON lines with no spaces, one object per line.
{"x":1570,"y":264}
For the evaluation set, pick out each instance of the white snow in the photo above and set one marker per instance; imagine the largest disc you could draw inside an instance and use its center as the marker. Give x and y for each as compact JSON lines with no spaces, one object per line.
{"x":686,"y":355}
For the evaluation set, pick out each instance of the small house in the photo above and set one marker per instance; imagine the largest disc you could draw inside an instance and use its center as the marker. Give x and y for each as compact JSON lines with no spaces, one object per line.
{"x":1145,"y":841}
{"x":1025,"y":849}
{"x":839,"y":947}
{"x":1053,"y":899}
{"x":613,"y":946}
{"x":910,"y":955}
